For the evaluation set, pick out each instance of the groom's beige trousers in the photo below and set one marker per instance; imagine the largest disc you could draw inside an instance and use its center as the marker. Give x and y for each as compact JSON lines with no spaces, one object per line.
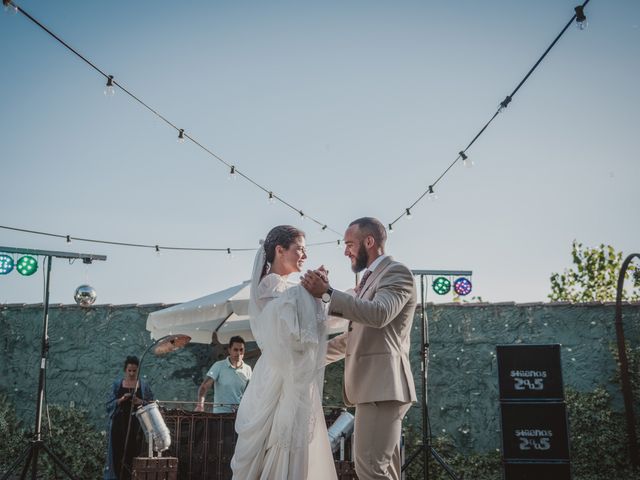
{"x":377,"y":431}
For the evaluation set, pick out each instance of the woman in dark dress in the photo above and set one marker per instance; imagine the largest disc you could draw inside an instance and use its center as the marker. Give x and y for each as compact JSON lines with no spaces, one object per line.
{"x":120,"y":407}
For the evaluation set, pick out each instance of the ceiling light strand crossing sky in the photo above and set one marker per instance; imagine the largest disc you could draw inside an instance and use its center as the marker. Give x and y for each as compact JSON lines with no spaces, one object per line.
{"x":462,"y":155}
{"x":156,"y":248}
{"x":182,"y":135}
{"x":112,"y":82}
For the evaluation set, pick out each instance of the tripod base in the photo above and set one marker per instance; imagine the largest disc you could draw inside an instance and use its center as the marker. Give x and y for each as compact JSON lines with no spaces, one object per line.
{"x":436,"y":456}
{"x":30,"y":458}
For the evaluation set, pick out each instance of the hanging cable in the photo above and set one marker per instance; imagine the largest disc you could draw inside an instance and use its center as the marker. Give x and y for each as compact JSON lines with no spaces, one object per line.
{"x":580,"y":18}
{"x":154,"y":247}
{"x":182,"y":135}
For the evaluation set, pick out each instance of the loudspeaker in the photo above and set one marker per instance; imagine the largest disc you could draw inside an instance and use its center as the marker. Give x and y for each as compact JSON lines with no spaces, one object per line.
{"x":529,"y":373}
{"x":537,"y":471}
{"x":534,"y":431}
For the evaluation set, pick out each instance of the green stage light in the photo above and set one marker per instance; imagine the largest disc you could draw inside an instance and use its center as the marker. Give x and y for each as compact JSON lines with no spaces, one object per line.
{"x":27,"y":265}
{"x":441,"y":285}
{"x":6,"y":264}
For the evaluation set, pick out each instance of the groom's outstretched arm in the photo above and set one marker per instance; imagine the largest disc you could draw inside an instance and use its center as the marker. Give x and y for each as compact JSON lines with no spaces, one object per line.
{"x":336,"y":348}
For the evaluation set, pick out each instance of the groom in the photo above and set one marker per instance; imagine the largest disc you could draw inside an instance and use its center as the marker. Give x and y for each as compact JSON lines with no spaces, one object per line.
{"x":377,"y":374}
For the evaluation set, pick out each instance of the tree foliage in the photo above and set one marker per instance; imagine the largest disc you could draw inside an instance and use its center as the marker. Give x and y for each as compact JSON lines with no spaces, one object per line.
{"x":594,"y":276}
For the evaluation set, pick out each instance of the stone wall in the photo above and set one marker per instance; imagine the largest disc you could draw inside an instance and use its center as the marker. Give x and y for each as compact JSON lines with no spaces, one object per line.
{"x":88,"y":346}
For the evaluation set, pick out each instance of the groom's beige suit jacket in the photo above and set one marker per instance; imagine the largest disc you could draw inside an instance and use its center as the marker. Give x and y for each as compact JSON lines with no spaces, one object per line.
{"x":376,"y":349}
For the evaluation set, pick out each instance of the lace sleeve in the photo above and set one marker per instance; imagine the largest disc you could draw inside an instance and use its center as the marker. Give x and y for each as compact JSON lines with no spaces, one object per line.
{"x":270,"y":287}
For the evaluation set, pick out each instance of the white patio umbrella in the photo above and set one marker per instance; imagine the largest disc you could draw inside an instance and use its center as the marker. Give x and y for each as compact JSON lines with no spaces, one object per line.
{"x":224,"y":313}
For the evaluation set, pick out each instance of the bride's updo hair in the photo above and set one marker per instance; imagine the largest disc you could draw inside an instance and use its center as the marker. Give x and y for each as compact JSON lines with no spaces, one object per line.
{"x":283,"y":235}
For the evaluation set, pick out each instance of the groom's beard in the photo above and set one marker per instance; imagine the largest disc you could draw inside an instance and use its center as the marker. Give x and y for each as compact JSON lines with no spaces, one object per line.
{"x":361,"y":260}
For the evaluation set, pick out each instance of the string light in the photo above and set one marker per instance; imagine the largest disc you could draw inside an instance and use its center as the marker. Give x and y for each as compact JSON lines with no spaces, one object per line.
{"x":9,"y":6}
{"x":271,"y":200}
{"x":409,"y":216}
{"x":157,"y":250}
{"x":504,"y":104}
{"x":109,"y":89}
{"x":466,"y":161}
{"x":301,"y":214}
{"x":150,"y":246}
{"x":324,"y":227}
{"x":181,"y":134}
{"x":390,"y":229}
{"x":68,"y":238}
{"x":429,"y":193}
{"x":581,"y":18}
{"x":338,"y":243}
{"x":232,"y":172}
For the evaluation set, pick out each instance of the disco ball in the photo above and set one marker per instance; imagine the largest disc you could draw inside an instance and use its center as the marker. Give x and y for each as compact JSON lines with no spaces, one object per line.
{"x":85,"y":295}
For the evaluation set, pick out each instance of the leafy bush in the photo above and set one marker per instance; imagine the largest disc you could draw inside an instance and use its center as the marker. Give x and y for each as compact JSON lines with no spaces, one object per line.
{"x":13,"y":441}
{"x":75,"y":442}
{"x":71,"y":438}
{"x":599,"y":449}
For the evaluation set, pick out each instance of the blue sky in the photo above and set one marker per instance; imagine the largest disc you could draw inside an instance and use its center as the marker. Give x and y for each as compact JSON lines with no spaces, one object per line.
{"x":344,"y":109}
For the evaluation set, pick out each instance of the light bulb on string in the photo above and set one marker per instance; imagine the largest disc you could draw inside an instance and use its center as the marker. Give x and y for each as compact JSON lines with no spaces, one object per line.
{"x":301,"y":214}
{"x":232,"y":173}
{"x":10,"y":7}
{"x":504,"y":104}
{"x":408,"y":212}
{"x":109,"y":89}
{"x":466,"y":161}
{"x":581,"y":18}
{"x":271,"y":199}
{"x":337,"y":243}
{"x":323,"y":228}
{"x":68,"y":239}
{"x":181,"y":135}
{"x":432,"y":195}
{"x":157,"y":249}
{"x":229,"y":254}
{"x":390,"y":228}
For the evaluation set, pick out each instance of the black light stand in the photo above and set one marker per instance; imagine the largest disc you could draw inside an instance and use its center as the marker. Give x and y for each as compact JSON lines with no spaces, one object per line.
{"x":427,"y":448}
{"x":32,"y":451}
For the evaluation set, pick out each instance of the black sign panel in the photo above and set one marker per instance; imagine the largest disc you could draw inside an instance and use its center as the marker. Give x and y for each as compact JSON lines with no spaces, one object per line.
{"x":537,"y":471}
{"x":529,"y":372}
{"x":534,"y":431}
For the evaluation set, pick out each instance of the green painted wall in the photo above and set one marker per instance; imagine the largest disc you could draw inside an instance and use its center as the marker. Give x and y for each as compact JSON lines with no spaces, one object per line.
{"x":88,"y":346}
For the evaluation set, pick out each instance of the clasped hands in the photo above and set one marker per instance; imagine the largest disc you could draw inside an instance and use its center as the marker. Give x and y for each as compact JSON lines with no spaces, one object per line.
{"x":316,"y":281}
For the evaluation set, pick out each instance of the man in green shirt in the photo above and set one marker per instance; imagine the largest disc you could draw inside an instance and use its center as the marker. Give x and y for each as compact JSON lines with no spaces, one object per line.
{"x":230,"y":377}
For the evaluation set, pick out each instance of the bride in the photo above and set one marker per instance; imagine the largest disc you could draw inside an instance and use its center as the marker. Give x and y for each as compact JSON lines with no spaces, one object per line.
{"x":280,"y":423}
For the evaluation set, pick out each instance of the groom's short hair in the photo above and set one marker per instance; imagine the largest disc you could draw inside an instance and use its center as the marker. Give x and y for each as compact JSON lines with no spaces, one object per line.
{"x":372,"y":226}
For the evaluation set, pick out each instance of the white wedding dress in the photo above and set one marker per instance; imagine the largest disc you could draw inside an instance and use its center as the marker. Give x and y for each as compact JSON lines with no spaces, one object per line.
{"x":281,"y":429}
